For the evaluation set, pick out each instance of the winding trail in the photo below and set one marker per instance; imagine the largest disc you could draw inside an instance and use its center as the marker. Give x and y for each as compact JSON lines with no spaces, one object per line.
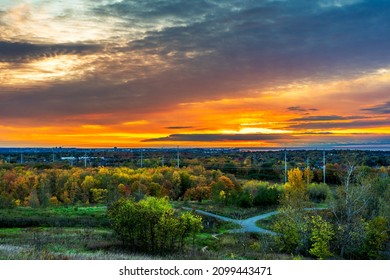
{"x":247,"y":225}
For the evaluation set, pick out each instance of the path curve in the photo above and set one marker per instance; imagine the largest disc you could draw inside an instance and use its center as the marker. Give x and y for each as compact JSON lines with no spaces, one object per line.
{"x":247,"y":225}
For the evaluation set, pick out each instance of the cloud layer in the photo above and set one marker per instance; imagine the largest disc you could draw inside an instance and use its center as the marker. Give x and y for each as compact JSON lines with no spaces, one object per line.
{"x":292,"y":67}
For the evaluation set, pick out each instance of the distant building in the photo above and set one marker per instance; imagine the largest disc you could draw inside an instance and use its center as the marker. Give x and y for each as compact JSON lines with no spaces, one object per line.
{"x":68,"y":158}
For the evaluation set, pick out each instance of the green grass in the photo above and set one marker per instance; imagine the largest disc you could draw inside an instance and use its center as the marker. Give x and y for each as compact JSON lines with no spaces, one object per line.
{"x":56,"y":211}
{"x":61,"y":216}
{"x":62,"y":243}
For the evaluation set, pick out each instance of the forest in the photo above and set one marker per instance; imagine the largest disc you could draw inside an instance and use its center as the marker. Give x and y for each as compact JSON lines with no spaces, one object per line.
{"x":109,"y":212}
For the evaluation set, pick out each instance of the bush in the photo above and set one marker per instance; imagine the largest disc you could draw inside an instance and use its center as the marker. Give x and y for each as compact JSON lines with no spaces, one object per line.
{"x":318,"y":192}
{"x":6,"y":201}
{"x":267,"y":196}
{"x":245,"y":200}
{"x":253,"y":185}
{"x":151,"y":225}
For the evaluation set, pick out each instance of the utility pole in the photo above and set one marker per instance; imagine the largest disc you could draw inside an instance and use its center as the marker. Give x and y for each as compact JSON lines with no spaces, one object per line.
{"x":308,"y":170}
{"x":21,"y":158}
{"x":285,"y":166}
{"x":85,"y":159}
{"x":53,"y":156}
{"x":162,"y":157}
{"x":142,"y":164}
{"x":178,"y":157}
{"x":324,"y":167}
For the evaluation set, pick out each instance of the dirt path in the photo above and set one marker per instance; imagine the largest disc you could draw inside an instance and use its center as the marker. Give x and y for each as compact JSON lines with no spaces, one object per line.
{"x":247,"y":225}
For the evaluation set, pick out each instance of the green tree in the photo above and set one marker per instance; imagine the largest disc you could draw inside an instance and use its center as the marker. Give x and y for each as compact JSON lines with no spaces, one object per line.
{"x":349,"y":207}
{"x":292,"y":228}
{"x":377,"y":234}
{"x":152,"y":225}
{"x":322,"y":233}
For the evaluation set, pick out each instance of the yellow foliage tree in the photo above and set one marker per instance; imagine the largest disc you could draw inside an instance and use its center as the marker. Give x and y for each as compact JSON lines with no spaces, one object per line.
{"x":295,"y":191}
{"x":53,"y":200}
{"x":308,"y":175}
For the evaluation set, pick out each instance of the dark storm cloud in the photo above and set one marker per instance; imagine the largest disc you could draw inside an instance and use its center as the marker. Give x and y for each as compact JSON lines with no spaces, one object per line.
{"x":300,"y":109}
{"x":16,"y":52}
{"x":328,"y":118}
{"x":213,"y":50}
{"x":152,"y":10}
{"x":379,"y":109}
{"x":219,"y":137}
{"x":316,"y":133}
{"x":75,"y":99}
{"x":335,"y":125}
{"x":179,"y":127}
{"x":282,"y":40}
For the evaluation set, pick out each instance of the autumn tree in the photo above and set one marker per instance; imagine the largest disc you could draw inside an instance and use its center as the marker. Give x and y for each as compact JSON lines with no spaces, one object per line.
{"x":295,"y":190}
{"x":198,"y":193}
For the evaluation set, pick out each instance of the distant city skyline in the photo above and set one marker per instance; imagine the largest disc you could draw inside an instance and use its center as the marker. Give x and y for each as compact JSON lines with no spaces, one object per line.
{"x":205,"y":73}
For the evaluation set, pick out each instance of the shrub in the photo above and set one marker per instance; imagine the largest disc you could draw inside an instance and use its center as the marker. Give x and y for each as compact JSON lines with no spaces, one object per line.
{"x":245,"y":200}
{"x":267,"y":196}
{"x":54,"y":201}
{"x":318,"y":192}
{"x":6,"y":201}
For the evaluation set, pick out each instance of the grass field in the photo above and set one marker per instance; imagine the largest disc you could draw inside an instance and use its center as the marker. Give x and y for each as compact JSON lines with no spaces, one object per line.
{"x":60,"y":216}
{"x":84,"y":233}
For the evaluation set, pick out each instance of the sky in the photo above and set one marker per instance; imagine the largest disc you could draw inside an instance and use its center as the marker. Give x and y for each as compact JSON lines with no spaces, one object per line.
{"x":201,"y":73}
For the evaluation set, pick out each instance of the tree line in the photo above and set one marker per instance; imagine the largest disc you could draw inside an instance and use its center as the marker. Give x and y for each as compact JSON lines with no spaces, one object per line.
{"x":355,"y":224}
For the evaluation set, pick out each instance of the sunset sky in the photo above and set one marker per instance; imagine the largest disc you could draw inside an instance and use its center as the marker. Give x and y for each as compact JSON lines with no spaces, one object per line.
{"x":201,"y":73}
